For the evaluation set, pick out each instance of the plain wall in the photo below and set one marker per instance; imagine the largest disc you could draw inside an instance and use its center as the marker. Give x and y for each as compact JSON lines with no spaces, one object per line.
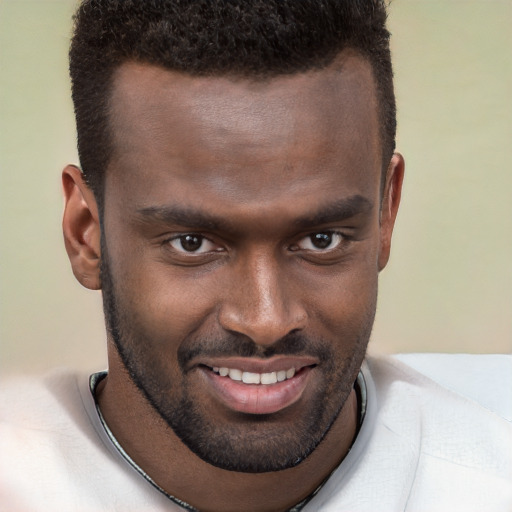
{"x":448,"y":286}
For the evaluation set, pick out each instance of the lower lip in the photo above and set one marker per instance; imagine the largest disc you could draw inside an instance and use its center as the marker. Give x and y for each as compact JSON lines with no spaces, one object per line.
{"x":257,"y":398}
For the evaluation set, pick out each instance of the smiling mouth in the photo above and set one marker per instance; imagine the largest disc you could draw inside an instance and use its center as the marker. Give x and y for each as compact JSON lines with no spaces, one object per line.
{"x":255,"y":378}
{"x":265,"y":392}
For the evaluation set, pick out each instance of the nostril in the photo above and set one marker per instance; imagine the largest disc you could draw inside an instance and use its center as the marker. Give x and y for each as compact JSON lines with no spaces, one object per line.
{"x":262,"y":322}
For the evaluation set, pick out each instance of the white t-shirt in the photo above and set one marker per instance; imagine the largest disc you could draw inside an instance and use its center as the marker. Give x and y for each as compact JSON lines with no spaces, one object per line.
{"x":437,"y":436}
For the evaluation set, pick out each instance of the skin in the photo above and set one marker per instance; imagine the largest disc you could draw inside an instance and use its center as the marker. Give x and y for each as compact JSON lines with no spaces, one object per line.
{"x":272,"y":161}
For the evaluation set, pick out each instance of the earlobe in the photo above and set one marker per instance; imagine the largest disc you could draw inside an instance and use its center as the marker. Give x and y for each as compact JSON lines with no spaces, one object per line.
{"x":390,"y":204}
{"x":81,"y":228}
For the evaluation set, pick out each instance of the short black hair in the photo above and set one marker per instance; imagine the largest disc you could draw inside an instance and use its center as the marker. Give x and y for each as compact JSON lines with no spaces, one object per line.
{"x":243,"y":38}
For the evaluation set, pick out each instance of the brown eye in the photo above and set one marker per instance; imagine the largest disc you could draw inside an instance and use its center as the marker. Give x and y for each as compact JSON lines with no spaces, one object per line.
{"x":324,"y":241}
{"x":321,"y":240}
{"x":192,"y":243}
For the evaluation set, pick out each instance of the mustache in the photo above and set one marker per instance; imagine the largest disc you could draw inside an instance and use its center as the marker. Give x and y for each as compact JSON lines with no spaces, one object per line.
{"x":240,"y":345}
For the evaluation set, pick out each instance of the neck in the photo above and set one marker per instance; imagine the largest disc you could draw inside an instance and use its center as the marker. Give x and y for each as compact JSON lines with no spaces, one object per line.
{"x":154,"y":447}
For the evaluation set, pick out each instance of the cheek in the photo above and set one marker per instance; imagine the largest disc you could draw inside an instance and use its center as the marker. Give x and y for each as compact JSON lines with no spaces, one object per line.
{"x":160,"y":300}
{"x":346,"y":313}
{"x":343,"y":297}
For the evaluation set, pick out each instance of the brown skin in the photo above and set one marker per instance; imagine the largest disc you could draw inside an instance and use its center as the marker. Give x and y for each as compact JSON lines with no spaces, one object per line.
{"x":258,"y":156}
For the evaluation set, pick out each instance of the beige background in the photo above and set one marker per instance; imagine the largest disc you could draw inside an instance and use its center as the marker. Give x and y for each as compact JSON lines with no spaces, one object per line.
{"x":449,"y":284}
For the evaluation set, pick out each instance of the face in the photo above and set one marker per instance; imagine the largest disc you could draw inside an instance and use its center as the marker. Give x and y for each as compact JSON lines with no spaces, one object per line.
{"x":242,"y":240}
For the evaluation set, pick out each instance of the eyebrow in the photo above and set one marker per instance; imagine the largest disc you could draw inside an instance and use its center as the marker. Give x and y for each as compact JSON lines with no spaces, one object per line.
{"x":186,"y":217}
{"x":340,"y":210}
{"x":337,"y":211}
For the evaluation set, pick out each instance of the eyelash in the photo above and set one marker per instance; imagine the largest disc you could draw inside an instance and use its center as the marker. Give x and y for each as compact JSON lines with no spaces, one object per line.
{"x":182,"y":238}
{"x":342,"y":237}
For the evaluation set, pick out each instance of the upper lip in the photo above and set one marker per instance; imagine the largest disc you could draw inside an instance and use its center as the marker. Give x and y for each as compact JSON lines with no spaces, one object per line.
{"x":257,"y":365}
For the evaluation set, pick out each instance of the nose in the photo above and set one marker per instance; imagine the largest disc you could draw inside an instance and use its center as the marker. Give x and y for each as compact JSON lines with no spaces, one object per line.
{"x":263,"y":302}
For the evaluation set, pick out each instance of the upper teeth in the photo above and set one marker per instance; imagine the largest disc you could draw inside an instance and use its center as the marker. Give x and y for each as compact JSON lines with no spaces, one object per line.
{"x":255,"y":378}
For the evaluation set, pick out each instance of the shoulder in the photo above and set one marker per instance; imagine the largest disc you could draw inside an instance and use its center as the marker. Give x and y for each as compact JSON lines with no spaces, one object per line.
{"x":45,"y":431}
{"x":484,"y":379}
{"x":39,"y":415}
{"x":456,"y":406}
{"x":437,"y":436}
{"x":55,"y":454}
{"x":447,"y":417}
{"x":57,"y":406}
{"x":28,"y":400}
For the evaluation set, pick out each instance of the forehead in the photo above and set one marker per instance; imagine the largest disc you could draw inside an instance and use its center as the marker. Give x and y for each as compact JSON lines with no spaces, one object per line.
{"x":208,"y":130}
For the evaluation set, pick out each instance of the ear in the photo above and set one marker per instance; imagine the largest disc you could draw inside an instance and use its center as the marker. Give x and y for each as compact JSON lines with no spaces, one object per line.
{"x":81,"y":227}
{"x":390,"y":204}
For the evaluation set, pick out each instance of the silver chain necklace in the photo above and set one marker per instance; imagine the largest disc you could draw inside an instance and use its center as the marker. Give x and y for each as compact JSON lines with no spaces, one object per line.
{"x":96,"y":378}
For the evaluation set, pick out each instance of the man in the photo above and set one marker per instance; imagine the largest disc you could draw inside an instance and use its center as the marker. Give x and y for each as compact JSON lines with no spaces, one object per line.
{"x":236,"y":201}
